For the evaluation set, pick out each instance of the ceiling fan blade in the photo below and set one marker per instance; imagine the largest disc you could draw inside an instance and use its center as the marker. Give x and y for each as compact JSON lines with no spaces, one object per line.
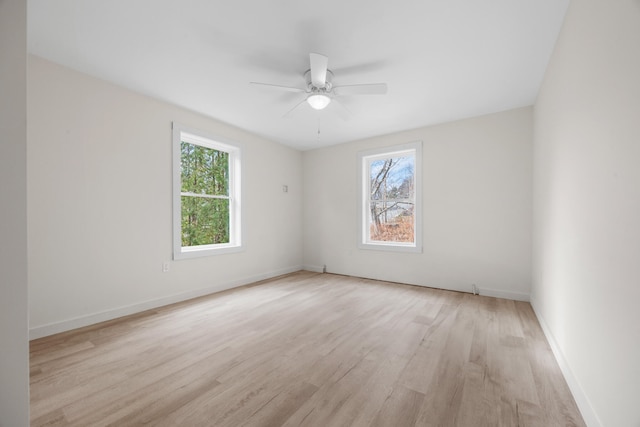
{"x":367,"y":89}
{"x":287,"y":88}
{"x":362,"y":68}
{"x":286,"y":115}
{"x":341,"y":110}
{"x":319,"y":64}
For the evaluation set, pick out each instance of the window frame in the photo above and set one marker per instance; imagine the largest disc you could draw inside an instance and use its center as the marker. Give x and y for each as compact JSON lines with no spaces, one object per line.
{"x":193,"y":136}
{"x":364,"y":184}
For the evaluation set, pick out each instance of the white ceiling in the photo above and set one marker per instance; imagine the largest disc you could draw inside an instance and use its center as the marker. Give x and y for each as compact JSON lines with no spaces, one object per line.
{"x":442,"y":59}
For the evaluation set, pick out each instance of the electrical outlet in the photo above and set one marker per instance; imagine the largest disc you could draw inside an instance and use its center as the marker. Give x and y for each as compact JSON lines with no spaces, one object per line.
{"x":165,"y":267}
{"x":285,"y":188}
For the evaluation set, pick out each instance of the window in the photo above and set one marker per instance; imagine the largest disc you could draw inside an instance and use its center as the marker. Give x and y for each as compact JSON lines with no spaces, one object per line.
{"x":206,"y":194}
{"x":390,"y":198}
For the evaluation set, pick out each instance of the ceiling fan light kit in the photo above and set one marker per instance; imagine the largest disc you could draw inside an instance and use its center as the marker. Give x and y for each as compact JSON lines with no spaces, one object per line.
{"x":318,"y":101}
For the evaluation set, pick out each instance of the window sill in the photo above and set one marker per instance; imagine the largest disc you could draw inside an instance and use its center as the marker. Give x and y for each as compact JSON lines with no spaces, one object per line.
{"x":209,"y":250}
{"x":391,"y":247}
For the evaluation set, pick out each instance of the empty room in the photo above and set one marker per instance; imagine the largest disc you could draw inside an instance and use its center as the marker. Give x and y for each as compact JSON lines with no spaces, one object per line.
{"x":287,"y":213}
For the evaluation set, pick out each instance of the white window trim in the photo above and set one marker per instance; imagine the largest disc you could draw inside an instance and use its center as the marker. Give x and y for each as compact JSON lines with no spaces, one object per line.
{"x":215,"y":142}
{"x":364,"y":157}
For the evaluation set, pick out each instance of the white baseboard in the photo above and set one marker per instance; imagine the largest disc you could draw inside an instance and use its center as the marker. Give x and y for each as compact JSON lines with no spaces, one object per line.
{"x":486,"y":292}
{"x":516,"y":296}
{"x":314,"y":268}
{"x":584,"y":405}
{"x":497,"y":293}
{"x":90,"y":319}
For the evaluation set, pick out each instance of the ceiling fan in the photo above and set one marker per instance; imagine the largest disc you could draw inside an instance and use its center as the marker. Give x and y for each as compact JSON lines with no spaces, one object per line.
{"x":320,"y":90}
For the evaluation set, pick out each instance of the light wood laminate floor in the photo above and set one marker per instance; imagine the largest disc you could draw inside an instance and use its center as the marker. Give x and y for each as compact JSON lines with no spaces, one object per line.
{"x":307,"y":349}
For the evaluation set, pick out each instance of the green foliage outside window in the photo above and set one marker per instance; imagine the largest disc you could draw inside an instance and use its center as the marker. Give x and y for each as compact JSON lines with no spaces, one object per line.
{"x":204,"y":195}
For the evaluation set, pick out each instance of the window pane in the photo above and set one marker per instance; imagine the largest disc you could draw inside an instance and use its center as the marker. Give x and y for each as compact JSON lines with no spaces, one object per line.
{"x":204,"y":221}
{"x":390,"y":195}
{"x":392,"y":178}
{"x":391,"y":221}
{"x":204,"y":170}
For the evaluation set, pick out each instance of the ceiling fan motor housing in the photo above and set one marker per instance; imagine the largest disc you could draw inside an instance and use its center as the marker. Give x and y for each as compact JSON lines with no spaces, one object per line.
{"x":327,"y":85}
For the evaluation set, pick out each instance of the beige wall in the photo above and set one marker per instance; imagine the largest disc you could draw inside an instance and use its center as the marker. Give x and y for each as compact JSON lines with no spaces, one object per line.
{"x":476,"y":201}
{"x":14,"y":356}
{"x":586,"y":270}
{"x":100,"y":207}
{"x":99,"y":193}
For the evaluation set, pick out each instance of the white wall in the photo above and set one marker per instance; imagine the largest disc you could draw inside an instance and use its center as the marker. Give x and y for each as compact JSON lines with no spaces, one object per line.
{"x":586,"y":270}
{"x":14,"y":350}
{"x":477,"y":208}
{"x":99,"y":193}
